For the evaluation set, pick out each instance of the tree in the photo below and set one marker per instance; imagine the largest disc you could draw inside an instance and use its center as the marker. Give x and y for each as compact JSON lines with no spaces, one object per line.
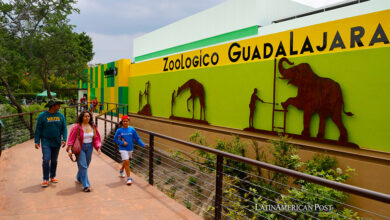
{"x":46,"y":38}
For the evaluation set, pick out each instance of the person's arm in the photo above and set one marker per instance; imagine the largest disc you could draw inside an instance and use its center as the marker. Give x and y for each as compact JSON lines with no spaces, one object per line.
{"x":137,"y":139}
{"x":117,"y":138}
{"x":72,"y":137}
{"x":97,"y":140}
{"x":38,"y":130}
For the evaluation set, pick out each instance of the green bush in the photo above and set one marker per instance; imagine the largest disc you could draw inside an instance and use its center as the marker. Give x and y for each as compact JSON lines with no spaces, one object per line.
{"x":271,"y":188}
{"x":192,"y":181}
{"x":170,"y":180}
{"x":188,"y":204}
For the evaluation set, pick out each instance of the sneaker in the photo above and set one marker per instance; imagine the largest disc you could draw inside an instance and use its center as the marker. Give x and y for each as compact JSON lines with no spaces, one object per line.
{"x":77,"y":181}
{"x":54,"y":180}
{"x":122,"y":174}
{"x":45,"y":183}
{"x":129,"y":181}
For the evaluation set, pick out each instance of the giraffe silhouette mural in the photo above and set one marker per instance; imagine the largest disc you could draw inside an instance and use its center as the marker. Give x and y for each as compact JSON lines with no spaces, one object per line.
{"x":196,"y":91}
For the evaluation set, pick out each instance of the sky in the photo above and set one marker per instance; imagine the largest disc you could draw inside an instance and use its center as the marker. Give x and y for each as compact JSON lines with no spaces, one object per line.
{"x":113,"y":24}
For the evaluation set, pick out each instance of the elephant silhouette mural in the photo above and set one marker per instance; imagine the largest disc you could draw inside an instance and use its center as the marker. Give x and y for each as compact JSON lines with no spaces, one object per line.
{"x":196,"y":91}
{"x":315,"y":94}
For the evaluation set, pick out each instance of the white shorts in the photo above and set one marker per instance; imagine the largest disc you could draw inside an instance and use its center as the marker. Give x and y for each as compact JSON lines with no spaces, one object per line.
{"x":126,"y":154}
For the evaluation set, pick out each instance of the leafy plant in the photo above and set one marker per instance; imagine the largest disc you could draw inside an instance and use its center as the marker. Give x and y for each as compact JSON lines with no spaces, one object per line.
{"x":188,"y":204}
{"x":192,"y":181}
{"x":184,"y":169}
{"x":170,"y":180}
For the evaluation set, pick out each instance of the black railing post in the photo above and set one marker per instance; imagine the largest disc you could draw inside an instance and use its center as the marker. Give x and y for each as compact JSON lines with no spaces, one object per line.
{"x":65,"y":113}
{"x":31,"y":126}
{"x":105,"y":125}
{"x":96,"y":121}
{"x":111,"y":120}
{"x":218,"y":187}
{"x":151,"y":151}
{"x":117,"y":112}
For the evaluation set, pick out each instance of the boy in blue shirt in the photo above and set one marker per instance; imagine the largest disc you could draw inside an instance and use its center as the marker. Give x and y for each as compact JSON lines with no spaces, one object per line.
{"x":124,"y":137}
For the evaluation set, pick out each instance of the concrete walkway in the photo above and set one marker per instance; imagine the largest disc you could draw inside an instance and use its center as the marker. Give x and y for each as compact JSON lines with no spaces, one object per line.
{"x":21,"y":196}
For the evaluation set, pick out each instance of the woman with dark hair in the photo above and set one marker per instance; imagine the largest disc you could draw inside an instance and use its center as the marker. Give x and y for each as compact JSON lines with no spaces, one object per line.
{"x":89,"y":136}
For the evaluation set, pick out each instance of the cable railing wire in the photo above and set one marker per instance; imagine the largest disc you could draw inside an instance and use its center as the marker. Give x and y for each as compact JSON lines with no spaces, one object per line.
{"x":332,"y":200}
{"x":180,"y":158}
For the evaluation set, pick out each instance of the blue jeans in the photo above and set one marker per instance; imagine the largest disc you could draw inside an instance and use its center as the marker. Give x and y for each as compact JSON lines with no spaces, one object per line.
{"x":49,"y":161}
{"x":83,"y":164}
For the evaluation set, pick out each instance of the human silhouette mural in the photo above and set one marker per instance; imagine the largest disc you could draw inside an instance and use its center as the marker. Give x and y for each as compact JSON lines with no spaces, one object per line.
{"x":146,"y":110}
{"x":315,"y":94}
{"x":196,"y":91}
{"x":252,"y":106}
{"x":252,"y":109}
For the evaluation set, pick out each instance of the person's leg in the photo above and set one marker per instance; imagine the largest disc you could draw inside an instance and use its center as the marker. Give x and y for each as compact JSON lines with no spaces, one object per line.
{"x":53,"y":162}
{"x":88,"y":156}
{"x":82,"y":165}
{"x":46,"y":154}
{"x":126,"y":163}
{"x":124,"y":156}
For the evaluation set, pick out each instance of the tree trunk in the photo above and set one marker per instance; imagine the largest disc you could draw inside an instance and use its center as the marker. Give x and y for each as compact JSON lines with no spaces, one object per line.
{"x":46,"y":85}
{"x":11,"y":96}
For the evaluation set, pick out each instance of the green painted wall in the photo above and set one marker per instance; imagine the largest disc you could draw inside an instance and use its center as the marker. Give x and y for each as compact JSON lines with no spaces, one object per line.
{"x":363,"y":76}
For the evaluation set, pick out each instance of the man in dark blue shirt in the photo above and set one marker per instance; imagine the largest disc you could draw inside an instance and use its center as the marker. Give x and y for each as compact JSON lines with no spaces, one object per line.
{"x":51,"y":131}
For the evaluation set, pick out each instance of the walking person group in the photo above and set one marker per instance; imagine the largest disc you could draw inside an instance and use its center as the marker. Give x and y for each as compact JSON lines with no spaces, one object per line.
{"x":51,"y":135}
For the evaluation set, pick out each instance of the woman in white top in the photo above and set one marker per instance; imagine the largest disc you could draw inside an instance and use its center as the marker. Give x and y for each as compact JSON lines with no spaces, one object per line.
{"x":89,"y":137}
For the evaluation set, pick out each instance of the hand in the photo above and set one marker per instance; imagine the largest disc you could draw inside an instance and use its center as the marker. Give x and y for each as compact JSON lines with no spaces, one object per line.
{"x":125,"y":144}
{"x":99,"y":151}
{"x":70,"y":153}
{"x":37,"y":146}
{"x":63,"y":143}
{"x":146,"y":145}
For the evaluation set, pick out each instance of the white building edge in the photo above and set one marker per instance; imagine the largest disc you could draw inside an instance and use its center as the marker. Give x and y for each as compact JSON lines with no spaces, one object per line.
{"x":235,"y":15}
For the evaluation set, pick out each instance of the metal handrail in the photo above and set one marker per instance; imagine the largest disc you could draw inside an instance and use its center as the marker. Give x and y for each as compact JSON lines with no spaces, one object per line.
{"x":314,"y":179}
{"x":382,"y":197}
{"x":30,"y":123}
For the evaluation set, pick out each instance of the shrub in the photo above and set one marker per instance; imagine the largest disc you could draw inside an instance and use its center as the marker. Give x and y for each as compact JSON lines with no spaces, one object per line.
{"x":192,"y":181}
{"x":246,"y":192}
{"x":170,"y":180}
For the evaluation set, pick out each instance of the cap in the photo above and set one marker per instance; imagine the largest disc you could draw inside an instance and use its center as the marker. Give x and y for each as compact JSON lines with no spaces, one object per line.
{"x":125,"y":117}
{"x":54,"y":102}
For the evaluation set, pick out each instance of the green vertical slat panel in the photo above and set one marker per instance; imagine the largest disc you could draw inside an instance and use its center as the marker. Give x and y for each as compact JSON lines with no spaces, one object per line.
{"x":102,"y":97}
{"x":91,"y":77}
{"x":92,"y":93}
{"x":101,"y":76}
{"x":84,"y":79}
{"x":111,"y":80}
{"x":125,"y":95}
{"x":96,"y":77}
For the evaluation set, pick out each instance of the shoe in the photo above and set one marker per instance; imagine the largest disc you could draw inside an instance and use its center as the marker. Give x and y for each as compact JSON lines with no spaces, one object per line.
{"x":122,"y":174}
{"x":76,"y":181}
{"x":45,"y":183}
{"x":129,"y":181}
{"x":54,"y":180}
{"x":87,"y":189}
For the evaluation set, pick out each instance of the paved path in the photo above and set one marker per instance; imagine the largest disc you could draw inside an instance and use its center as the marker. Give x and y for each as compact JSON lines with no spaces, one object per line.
{"x":21,"y":196}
